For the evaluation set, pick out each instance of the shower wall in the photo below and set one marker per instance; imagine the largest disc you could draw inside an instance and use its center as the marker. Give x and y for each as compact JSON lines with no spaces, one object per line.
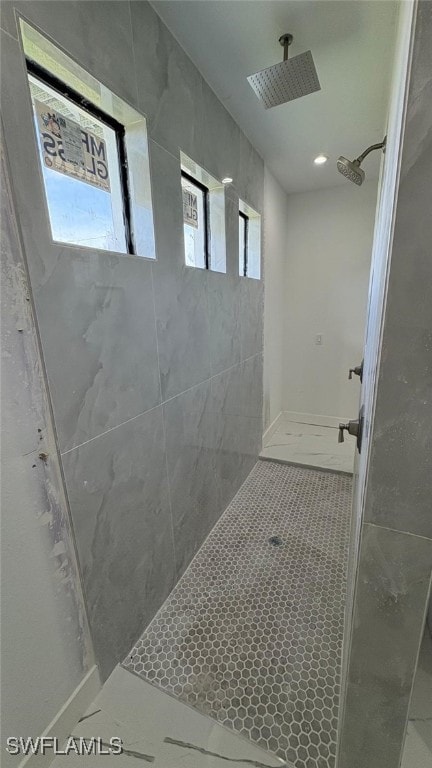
{"x":40,"y":584}
{"x":395,"y":556}
{"x":154,"y":369}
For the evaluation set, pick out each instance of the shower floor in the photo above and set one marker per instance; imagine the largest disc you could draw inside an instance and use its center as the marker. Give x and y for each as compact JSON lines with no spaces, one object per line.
{"x":252,"y":633}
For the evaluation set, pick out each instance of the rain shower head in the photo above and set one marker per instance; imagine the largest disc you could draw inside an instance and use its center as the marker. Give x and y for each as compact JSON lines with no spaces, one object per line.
{"x":351,"y":168}
{"x":288,"y":80}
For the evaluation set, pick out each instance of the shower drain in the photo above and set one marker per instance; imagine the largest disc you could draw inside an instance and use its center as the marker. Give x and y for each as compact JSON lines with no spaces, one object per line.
{"x":275,"y":541}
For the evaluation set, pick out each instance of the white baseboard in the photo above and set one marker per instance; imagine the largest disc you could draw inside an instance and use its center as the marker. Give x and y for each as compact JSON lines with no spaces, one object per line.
{"x":67,"y":717}
{"x":272,"y":428}
{"x":314,"y":418}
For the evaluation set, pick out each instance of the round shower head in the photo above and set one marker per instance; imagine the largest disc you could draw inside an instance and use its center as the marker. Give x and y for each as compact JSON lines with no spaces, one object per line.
{"x":351,"y":169}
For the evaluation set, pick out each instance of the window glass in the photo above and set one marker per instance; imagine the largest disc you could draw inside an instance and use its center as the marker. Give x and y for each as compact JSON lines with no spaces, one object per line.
{"x":242,"y":245}
{"x":80,"y":167}
{"x":194,"y":224}
{"x":249,"y":242}
{"x":254,"y":247}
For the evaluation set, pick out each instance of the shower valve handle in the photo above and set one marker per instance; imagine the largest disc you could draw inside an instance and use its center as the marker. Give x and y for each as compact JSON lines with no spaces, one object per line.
{"x":358,"y":370}
{"x":352,"y":428}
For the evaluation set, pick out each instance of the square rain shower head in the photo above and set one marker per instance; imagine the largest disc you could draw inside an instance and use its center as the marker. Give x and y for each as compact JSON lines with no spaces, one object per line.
{"x":286,"y":81}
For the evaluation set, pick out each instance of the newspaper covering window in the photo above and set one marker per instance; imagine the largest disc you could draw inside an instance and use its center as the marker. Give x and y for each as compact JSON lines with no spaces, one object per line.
{"x":81,"y":171}
{"x":194,"y":224}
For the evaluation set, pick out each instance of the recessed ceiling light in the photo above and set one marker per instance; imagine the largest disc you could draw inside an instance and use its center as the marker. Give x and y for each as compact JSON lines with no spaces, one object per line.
{"x":320,"y":159}
{"x":227,"y":180}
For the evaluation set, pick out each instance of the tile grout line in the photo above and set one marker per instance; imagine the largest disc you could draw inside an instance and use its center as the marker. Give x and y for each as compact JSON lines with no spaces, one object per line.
{"x":397,"y":530}
{"x":111,"y":429}
{"x":9,"y":34}
{"x":159,"y":405}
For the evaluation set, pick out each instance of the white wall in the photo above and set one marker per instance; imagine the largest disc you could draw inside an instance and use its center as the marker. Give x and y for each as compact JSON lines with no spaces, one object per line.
{"x":275,"y":256}
{"x":328,"y":256}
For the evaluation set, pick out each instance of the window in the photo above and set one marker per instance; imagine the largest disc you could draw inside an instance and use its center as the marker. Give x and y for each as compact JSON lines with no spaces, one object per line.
{"x":93,"y":155}
{"x":203,"y":217}
{"x":82,"y":156}
{"x":249,"y":242}
{"x":243,"y":243}
{"x":195,"y":222}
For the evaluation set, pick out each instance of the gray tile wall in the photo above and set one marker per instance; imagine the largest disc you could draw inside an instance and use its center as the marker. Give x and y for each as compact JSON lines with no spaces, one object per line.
{"x":395,"y":560}
{"x":155,"y":370}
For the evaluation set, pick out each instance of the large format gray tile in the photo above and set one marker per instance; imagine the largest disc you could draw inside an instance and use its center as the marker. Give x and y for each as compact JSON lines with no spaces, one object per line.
{"x":394,"y":576}
{"x":224,"y":320}
{"x":95,"y":310}
{"x":97,"y":325}
{"x":250,"y":183}
{"x":118,"y":493}
{"x":180,"y":291}
{"x":218,"y":141}
{"x":251,"y":317}
{"x":94,"y":33}
{"x":237,"y":405}
{"x":182,"y":327}
{"x":190,"y":426}
{"x":421,"y":699}
{"x":417,"y":751}
{"x":7,"y":18}
{"x":401,"y":455}
{"x":169,"y":85}
{"x":167,"y":205}
{"x":409,"y":298}
{"x":183,"y":111}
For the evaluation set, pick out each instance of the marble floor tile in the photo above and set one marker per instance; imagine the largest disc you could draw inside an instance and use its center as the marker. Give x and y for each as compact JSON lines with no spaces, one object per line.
{"x":310,"y":445}
{"x":158,"y":730}
{"x":252,"y":633}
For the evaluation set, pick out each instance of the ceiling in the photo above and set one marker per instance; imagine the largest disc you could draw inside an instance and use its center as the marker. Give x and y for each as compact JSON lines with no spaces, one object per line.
{"x":352,"y":42}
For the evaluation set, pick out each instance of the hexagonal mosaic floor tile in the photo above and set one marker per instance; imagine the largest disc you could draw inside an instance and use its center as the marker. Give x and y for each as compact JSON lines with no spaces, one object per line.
{"x":252,"y":633}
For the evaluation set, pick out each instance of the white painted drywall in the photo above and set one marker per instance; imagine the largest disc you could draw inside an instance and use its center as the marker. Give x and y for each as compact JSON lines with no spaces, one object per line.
{"x":328,"y":257}
{"x":275,"y":257}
